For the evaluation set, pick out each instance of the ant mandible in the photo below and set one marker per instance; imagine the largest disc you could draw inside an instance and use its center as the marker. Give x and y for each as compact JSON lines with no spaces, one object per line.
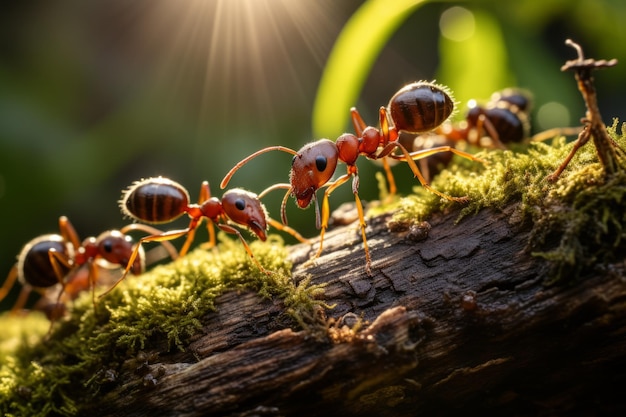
{"x":161,"y":200}
{"x":417,"y":107}
{"x":56,"y":259}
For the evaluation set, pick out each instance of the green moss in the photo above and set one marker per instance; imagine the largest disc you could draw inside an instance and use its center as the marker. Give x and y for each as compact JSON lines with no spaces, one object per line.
{"x":577,"y":221}
{"x":167,"y":304}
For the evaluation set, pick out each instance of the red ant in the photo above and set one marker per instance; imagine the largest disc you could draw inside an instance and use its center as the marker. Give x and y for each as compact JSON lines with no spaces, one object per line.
{"x":57,"y":259}
{"x":505,"y":119}
{"x":417,"y":107}
{"x":161,"y":200}
{"x":502,"y":121}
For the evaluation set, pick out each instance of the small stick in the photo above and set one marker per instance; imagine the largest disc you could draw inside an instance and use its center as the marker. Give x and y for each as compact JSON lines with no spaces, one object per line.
{"x":593,"y":125}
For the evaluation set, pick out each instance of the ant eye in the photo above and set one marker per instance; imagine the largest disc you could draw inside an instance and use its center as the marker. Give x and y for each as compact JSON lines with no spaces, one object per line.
{"x":320,"y":163}
{"x":240,"y":204}
{"x":107,"y":246}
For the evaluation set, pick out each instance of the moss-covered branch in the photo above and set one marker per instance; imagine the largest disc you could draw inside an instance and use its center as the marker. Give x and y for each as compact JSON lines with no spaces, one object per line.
{"x":521,"y":288}
{"x":470,"y":296}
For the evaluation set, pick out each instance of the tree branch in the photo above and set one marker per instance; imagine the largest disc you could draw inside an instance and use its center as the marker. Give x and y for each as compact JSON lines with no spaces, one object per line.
{"x":460,"y":321}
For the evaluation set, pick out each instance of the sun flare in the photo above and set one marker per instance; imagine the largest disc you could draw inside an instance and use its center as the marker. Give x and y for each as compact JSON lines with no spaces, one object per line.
{"x":238,"y":59}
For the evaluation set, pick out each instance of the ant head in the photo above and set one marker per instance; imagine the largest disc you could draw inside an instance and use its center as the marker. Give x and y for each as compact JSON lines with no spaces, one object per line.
{"x":116,"y":248}
{"x":245,"y":208}
{"x":311,"y":168}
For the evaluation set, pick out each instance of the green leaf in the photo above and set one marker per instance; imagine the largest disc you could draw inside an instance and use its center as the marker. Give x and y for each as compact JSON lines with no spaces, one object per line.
{"x":475,"y":67}
{"x":351,"y":60}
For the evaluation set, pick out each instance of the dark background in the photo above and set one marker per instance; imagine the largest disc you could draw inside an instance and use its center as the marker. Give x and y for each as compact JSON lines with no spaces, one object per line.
{"x":97,"y":94}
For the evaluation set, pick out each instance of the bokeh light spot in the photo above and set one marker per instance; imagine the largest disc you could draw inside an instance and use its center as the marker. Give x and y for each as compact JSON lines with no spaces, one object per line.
{"x":457,"y":24}
{"x":552,"y":114}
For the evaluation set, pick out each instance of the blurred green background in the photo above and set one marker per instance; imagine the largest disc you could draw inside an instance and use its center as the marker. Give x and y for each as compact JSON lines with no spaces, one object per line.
{"x":97,"y":94}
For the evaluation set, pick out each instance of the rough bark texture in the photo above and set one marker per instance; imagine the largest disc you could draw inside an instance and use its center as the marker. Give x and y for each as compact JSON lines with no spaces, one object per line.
{"x":458,"y":322}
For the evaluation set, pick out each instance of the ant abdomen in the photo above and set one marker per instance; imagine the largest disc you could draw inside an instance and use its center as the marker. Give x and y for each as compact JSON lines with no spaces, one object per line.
{"x":420,"y":107}
{"x":155,"y":200}
{"x":35,"y":266}
{"x":511,"y":127}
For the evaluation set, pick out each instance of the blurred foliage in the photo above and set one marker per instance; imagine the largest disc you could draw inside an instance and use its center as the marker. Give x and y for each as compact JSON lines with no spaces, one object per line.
{"x":351,"y":59}
{"x":95,"y":95}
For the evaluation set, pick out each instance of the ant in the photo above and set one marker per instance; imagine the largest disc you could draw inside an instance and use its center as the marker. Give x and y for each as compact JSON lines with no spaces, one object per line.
{"x":417,"y":107}
{"x":160,"y":200}
{"x":503,"y":120}
{"x":61,"y":259}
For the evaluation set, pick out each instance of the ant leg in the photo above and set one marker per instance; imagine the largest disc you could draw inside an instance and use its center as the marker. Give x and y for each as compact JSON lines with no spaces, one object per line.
{"x":205,"y":195}
{"x":556,"y":131}
{"x":57,"y":260}
{"x":8,"y":282}
{"x":93,"y":278}
{"x":390,"y":179}
{"x":21,"y":299}
{"x":423,"y":153}
{"x":191,"y":233}
{"x":316,"y":207}
{"x":171,"y":250}
{"x":359,"y":207}
{"x":326,"y":213}
{"x":171,"y":235}
{"x":232,"y":230}
{"x":68,"y":232}
{"x":205,"y":192}
{"x":244,"y":161}
{"x":326,"y":209}
{"x":285,"y":228}
{"x":583,"y":138}
{"x":387,"y":132}
{"x":357,"y":121}
{"x":485,"y":124}
{"x":410,"y":157}
{"x":212,"y":240}
{"x":387,"y":135}
{"x":423,"y":165}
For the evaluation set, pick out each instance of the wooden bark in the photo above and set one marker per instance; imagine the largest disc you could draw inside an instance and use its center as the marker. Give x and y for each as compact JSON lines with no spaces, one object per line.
{"x":456,"y":322}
